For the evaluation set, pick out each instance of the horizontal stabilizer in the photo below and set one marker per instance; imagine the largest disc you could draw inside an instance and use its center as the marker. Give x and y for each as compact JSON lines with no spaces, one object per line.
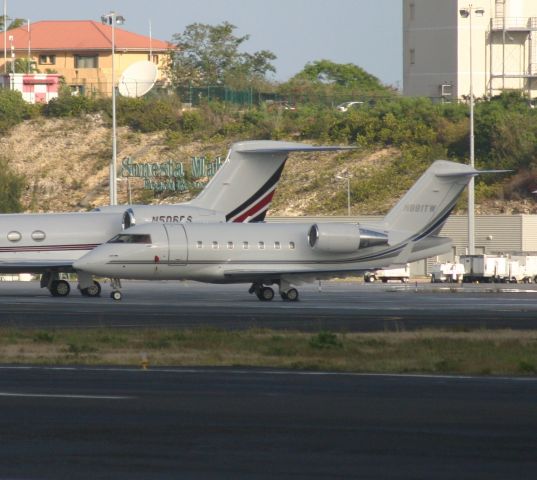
{"x":470,"y":173}
{"x":288,"y":147}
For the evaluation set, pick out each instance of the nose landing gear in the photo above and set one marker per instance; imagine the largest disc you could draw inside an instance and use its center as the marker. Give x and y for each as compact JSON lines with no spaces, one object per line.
{"x":115,"y":283}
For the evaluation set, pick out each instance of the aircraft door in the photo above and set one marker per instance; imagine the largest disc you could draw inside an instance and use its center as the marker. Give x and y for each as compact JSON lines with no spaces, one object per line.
{"x":177,"y":243}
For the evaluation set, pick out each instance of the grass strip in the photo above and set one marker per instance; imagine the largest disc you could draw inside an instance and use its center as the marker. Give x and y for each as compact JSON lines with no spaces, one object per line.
{"x":479,"y":352}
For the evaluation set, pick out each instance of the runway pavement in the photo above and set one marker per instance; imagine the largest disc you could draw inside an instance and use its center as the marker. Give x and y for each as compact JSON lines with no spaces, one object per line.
{"x":61,"y":423}
{"x":335,"y":306}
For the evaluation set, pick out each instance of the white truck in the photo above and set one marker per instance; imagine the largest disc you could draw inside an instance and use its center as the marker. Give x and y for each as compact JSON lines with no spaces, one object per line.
{"x":401,"y":274}
{"x":522,"y":268}
{"x":485,"y":268}
{"x":451,"y":272}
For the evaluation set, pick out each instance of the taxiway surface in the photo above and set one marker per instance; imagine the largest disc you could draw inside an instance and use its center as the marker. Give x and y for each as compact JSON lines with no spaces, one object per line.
{"x":335,"y":306}
{"x":225,"y":423}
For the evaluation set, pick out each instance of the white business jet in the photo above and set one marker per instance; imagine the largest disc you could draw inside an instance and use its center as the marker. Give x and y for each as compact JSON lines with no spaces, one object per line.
{"x":241,"y":191}
{"x":286,"y":254}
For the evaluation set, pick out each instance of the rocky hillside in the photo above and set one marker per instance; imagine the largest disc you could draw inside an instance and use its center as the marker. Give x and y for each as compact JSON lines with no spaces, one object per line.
{"x":65,"y":164}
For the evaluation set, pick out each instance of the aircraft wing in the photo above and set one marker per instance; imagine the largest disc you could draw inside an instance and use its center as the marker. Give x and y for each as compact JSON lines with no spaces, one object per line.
{"x":297,"y":276}
{"x":35,"y":266}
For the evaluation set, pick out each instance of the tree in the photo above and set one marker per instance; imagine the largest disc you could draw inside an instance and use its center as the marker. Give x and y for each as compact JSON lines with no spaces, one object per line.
{"x":15,"y":23}
{"x":324,"y":78}
{"x":209,"y":55}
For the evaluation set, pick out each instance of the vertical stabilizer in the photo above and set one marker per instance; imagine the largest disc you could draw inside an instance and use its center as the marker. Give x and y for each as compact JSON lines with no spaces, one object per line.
{"x":424,"y":209}
{"x":244,"y":185}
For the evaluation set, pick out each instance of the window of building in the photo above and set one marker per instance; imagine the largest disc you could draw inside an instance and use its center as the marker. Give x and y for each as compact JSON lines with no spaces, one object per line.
{"x":411,"y":10}
{"x":199,"y":244}
{"x":291,"y":245}
{"x":152,"y":58}
{"x":77,"y":90}
{"x":277,"y":245}
{"x":230,"y":245}
{"x":47,"y":59}
{"x":412,"y":56}
{"x":215,"y":245}
{"x":245,"y":245}
{"x":86,"y":61}
{"x":261,"y":245}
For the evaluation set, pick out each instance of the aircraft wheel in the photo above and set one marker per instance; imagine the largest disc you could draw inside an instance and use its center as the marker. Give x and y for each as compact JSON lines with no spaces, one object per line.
{"x":92,"y":291}
{"x":292,"y":295}
{"x":265,"y":294}
{"x":60,"y":288}
{"x":116,"y":295}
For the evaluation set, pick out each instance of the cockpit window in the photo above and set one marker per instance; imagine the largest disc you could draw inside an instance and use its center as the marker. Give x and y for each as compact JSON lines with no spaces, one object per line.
{"x":131,"y":238}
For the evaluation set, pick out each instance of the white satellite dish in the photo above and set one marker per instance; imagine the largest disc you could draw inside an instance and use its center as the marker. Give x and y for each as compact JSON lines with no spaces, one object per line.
{"x":138,"y":79}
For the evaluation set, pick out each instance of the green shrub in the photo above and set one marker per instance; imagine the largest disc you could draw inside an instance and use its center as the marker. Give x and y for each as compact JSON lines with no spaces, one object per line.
{"x":148,"y":115}
{"x":13,"y":109}
{"x":325,"y":340}
{"x":11,"y":185}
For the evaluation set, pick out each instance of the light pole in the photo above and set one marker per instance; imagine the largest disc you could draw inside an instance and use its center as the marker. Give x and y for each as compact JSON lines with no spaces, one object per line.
{"x":348,"y":178}
{"x":112,"y":19}
{"x":468,"y":12}
{"x":5,"y":36}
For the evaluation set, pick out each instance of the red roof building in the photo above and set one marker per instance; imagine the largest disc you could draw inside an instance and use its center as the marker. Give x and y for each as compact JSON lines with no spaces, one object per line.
{"x":81,"y":51}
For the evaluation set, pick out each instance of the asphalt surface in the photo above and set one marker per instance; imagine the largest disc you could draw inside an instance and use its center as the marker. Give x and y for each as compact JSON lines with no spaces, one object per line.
{"x":197,"y":424}
{"x":335,"y":306}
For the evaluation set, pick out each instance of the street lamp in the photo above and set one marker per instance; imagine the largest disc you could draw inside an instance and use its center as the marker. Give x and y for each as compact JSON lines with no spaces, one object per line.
{"x":468,"y":12}
{"x":5,"y":36}
{"x":112,"y":19}
{"x":348,"y":178}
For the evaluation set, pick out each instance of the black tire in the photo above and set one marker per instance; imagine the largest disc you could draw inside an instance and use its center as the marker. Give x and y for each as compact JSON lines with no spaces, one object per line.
{"x":92,"y":291}
{"x":60,"y":288}
{"x":266,"y":294}
{"x":292,"y":295}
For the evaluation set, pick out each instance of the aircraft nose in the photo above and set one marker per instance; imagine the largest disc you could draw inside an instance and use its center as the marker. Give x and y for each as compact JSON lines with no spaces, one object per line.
{"x":85,"y":262}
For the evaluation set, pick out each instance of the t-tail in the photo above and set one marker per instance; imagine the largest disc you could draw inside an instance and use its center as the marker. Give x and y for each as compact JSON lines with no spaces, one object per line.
{"x":244,"y":185}
{"x":424,"y":209}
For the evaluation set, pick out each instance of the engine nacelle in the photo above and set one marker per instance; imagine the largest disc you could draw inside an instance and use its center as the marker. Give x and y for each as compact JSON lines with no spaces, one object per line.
{"x":344,"y":237}
{"x":181,"y":213}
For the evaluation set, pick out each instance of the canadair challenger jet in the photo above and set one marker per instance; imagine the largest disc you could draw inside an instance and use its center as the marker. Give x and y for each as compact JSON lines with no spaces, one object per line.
{"x":241,"y":191}
{"x":286,"y":254}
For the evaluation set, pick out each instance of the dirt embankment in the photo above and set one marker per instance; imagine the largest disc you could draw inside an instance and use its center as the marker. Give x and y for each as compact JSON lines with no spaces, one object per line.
{"x":66,"y":166}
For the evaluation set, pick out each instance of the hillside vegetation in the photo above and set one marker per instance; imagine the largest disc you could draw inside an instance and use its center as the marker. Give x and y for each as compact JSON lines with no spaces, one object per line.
{"x":56,"y":157}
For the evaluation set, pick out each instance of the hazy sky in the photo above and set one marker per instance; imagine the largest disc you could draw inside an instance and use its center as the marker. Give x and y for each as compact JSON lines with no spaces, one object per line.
{"x":367,"y":33}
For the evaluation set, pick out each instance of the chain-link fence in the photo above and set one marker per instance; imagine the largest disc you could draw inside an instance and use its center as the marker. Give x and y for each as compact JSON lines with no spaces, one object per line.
{"x":195,"y":96}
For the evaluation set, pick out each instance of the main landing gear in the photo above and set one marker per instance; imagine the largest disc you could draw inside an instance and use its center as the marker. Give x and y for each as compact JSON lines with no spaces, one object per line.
{"x":94,"y":290}
{"x":266,"y":294}
{"x":61,"y":288}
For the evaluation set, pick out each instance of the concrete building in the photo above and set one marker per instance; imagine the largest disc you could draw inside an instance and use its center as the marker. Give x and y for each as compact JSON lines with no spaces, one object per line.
{"x":436,"y":47}
{"x":81,"y":52}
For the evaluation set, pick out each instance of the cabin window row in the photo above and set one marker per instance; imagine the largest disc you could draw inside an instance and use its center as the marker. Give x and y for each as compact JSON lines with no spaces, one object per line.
{"x":246,"y":245}
{"x":36,"y":235}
